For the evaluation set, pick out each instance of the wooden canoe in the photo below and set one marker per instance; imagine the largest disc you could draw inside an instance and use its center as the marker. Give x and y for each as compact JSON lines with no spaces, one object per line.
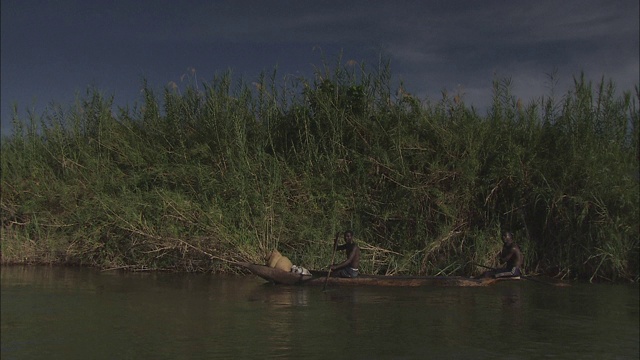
{"x":278,"y":276}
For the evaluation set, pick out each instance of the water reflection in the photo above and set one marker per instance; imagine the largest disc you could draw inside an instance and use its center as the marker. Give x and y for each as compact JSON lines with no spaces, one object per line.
{"x":347,"y":303}
{"x":280,"y":296}
{"x":83,"y":313}
{"x":512,"y":299}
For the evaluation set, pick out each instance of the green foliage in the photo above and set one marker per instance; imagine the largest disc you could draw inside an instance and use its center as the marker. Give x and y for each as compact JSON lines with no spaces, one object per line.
{"x":230,"y":171}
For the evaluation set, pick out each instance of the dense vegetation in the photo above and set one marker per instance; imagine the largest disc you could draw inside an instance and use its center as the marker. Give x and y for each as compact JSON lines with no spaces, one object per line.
{"x":193,"y":178}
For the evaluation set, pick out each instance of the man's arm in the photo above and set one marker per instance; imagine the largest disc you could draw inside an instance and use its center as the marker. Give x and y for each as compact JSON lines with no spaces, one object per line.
{"x":506,"y":257}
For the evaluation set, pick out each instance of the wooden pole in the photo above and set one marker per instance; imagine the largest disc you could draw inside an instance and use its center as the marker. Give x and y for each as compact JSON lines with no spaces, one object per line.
{"x":333,"y":255}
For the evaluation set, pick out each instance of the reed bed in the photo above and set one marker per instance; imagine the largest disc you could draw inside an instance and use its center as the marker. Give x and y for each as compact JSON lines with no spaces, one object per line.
{"x":192,"y":179}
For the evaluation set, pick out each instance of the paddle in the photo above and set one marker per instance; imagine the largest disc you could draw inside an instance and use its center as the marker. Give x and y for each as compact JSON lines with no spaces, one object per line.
{"x":484,"y":266}
{"x":333,"y":255}
{"x":526,"y":277}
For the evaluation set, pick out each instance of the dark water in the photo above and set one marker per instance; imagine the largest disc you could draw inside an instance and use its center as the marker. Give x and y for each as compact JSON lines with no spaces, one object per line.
{"x":70,"y":313}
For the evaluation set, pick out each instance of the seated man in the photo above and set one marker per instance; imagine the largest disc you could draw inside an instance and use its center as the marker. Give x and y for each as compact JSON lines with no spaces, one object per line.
{"x":349,"y":267}
{"x":511,"y":256}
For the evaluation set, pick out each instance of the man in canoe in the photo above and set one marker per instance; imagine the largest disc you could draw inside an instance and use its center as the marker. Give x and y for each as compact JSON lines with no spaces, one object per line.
{"x":349,"y":267}
{"x":512,"y":258}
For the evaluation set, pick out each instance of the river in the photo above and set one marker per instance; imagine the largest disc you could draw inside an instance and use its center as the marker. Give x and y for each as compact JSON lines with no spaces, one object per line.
{"x":79,"y":313}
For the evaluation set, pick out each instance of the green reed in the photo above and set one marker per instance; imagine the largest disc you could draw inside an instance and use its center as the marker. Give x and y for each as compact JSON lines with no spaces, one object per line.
{"x":189,"y":179}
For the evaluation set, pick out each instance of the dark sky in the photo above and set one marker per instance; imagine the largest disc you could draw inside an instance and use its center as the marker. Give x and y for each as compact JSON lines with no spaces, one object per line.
{"x":54,"y":50}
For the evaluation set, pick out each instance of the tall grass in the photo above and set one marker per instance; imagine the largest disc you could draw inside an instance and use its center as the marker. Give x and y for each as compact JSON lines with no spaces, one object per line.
{"x":190,"y":179}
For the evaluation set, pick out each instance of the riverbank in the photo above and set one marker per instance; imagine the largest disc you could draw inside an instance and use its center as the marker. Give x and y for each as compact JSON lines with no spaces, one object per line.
{"x":189,"y":180}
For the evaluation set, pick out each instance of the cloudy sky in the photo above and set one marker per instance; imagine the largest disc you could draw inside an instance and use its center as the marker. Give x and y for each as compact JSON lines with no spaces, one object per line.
{"x":53,"y":50}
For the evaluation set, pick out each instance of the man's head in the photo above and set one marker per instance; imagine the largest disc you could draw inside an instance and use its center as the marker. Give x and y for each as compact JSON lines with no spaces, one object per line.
{"x":507,"y":238}
{"x":348,"y":236}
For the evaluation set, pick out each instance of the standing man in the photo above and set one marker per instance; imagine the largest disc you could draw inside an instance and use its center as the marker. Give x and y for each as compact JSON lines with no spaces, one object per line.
{"x":349,"y":267}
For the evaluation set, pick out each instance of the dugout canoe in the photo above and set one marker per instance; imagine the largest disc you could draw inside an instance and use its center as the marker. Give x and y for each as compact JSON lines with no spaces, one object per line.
{"x":278,"y":276}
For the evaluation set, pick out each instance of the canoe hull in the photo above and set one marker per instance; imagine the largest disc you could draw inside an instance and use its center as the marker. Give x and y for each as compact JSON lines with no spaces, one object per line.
{"x":277,"y":276}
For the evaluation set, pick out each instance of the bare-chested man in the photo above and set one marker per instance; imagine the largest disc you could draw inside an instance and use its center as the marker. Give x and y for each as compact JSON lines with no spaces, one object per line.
{"x":349,"y":267}
{"x":511,"y":256}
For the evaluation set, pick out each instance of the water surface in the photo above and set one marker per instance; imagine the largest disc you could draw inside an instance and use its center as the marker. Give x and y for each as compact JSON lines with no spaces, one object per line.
{"x":72,"y":313}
